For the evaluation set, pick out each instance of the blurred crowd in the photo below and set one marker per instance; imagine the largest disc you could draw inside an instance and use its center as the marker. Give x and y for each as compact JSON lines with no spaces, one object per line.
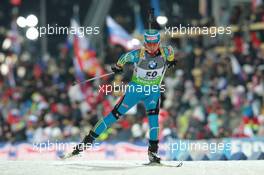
{"x":209,"y":94}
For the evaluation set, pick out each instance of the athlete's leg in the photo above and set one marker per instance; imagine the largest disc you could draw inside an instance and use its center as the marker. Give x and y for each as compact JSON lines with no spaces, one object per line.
{"x":123,"y":105}
{"x":152,"y":105}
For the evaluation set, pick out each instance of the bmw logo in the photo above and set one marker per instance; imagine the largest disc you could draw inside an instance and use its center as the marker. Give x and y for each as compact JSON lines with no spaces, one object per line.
{"x":152,"y":65}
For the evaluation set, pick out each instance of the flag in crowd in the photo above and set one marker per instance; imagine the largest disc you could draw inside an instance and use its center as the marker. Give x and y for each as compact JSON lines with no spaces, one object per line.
{"x":119,"y":36}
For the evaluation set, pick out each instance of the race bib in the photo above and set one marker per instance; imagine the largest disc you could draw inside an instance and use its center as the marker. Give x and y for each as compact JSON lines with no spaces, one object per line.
{"x":148,"y":74}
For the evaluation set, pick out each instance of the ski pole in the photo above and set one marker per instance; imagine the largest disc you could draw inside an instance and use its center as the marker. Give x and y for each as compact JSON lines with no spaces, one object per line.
{"x":91,"y":79}
{"x":162,"y":76}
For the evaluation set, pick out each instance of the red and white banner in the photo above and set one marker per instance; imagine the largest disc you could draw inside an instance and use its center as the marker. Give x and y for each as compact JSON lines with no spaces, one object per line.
{"x":50,"y":151}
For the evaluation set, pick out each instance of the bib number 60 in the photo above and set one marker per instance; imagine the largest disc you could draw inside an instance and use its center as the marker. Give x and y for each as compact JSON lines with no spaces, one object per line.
{"x":151,"y":73}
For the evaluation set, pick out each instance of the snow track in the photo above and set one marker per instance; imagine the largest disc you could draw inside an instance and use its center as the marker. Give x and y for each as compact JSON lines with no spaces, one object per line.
{"x":69,"y":167}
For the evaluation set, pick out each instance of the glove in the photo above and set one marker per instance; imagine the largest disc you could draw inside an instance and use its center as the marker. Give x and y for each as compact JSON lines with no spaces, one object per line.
{"x":171,"y":63}
{"x":117,"y":69}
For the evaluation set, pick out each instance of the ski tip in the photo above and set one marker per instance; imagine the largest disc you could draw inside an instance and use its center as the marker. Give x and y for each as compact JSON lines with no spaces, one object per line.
{"x":65,"y":156}
{"x":180,"y":164}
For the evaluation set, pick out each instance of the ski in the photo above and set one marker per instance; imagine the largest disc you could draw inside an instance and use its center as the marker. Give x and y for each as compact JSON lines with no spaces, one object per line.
{"x":163,"y":164}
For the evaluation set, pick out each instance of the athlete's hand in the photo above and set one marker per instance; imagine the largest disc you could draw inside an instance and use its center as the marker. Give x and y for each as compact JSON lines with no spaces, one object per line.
{"x":171,"y":63}
{"x":117,"y":69}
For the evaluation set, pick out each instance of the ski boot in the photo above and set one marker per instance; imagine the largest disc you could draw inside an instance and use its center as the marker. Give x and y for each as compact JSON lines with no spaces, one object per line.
{"x":87,"y":141}
{"x":153,"y":152}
